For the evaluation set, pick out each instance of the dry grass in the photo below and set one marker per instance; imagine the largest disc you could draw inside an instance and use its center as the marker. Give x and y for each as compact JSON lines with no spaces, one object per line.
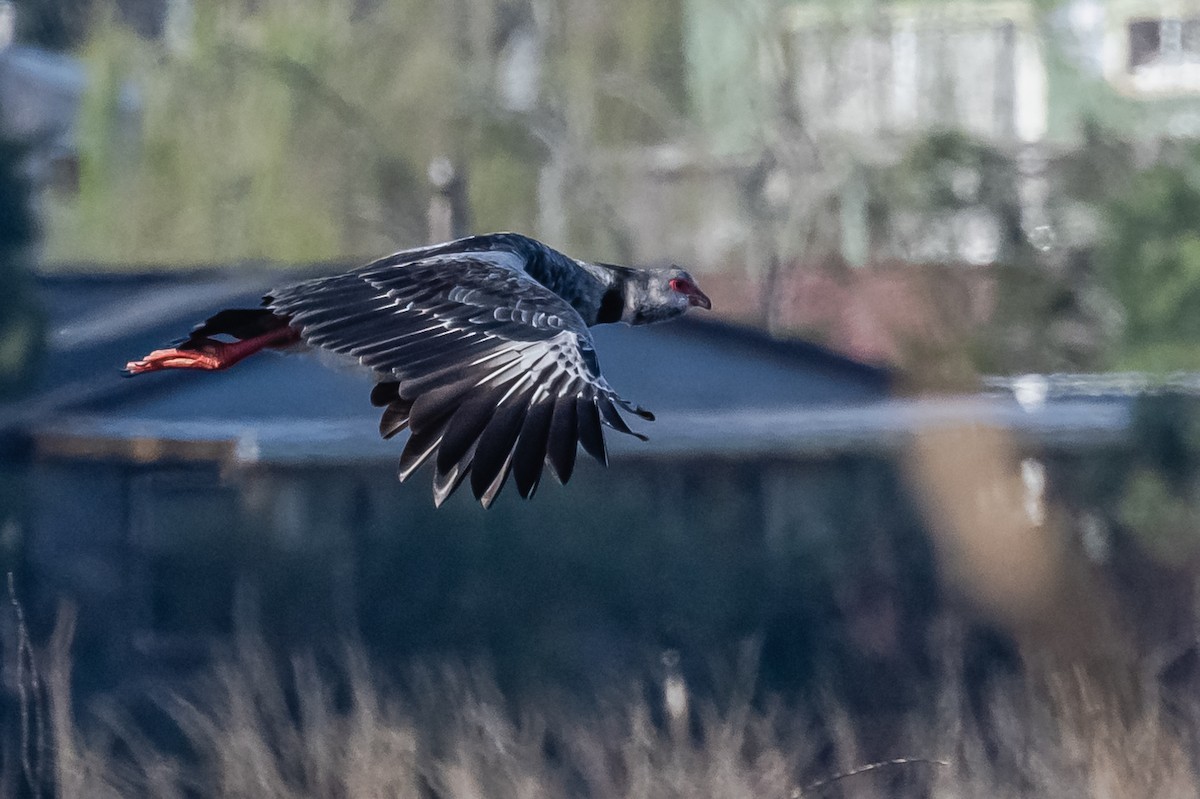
{"x":252,"y":727}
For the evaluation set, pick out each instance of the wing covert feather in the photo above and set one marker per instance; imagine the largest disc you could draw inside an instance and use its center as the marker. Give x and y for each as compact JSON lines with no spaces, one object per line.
{"x":483,"y":365}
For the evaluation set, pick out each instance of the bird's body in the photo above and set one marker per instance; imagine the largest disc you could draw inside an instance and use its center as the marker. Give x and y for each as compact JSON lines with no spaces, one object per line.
{"x":480,"y":347}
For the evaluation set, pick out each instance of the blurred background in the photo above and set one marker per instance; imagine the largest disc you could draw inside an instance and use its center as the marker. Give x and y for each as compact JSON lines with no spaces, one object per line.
{"x":925,"y":486}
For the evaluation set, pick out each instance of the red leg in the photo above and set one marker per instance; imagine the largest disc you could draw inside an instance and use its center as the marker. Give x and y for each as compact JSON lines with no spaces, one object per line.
{"x":211,"y":355}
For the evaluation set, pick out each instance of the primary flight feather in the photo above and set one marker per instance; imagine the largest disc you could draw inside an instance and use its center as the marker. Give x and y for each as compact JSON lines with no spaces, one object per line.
{"x":479,"y":347}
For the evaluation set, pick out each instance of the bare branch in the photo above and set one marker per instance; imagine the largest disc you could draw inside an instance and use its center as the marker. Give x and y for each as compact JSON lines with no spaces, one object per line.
{"x":28,"y":689}
{"x":854,"y":772}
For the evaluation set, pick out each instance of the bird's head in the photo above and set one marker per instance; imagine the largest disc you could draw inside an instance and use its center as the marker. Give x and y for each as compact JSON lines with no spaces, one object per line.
{"x":684,"y":291}
{"x":664,"y":294}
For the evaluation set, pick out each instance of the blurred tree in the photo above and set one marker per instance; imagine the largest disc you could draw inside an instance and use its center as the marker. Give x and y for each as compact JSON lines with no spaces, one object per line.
{"x":821,"y":196}
{"x":1142,"y":499}
{"x":20,"y":321}
{"x":302,"y":130}
{"x":66,"y":24}
{"x":54,"y":24}
{"x":791,"y":194}
{"x":951,"y":193}
{"x":1149,"y":256}
{"x":20,"y":335}
{"x":613,"y":78}
{"x":285,"y":131}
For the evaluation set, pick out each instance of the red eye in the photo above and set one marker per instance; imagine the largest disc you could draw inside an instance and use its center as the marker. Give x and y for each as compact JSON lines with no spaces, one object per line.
{"x":679,"y":284}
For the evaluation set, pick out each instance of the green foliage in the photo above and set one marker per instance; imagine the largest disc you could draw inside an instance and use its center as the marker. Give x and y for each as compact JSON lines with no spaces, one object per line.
{"x":1147,"y":490}
{"x":1150,"y":257}
{"x":950,"y":170}
{"x":1038,"y":297}
{"x":1163,"y":521}
{"x":1159,"y":494}
{"x":1053,"y":308}
{"x":17,"y":226}
{"x":20,"y":321}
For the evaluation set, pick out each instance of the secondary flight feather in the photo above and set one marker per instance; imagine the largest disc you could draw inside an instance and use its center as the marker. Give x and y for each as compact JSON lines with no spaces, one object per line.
{"x":479,"y":347}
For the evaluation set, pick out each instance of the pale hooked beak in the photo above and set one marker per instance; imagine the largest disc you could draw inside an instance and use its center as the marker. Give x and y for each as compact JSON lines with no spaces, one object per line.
{"x":699,"y":299}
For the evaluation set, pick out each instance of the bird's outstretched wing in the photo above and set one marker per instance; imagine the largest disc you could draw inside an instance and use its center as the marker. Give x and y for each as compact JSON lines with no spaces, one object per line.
{"x":489,"y":370}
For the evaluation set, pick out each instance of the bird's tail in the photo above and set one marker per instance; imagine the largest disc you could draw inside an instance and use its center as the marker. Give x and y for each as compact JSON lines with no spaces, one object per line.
{"x":253,"y":329}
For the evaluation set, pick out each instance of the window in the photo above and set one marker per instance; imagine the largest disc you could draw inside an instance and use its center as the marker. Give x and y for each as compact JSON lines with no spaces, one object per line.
{"x":1168,"y":41}
{"x":1144,"y":42}
{"x":905,"y":71}
{"x":1163,"y":55}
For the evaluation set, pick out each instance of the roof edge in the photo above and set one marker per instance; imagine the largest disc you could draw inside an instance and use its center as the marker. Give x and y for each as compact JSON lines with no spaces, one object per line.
{"x":788,"y":348}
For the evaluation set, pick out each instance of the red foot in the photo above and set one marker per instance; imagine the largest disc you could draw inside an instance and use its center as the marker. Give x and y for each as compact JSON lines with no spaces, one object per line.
{"x":213,"y":355}
{"x":174,"y":359}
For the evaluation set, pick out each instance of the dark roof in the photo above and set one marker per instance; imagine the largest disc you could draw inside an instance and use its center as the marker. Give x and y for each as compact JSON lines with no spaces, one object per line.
{"x":689,"y":369}
{"x":94,"y":321}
